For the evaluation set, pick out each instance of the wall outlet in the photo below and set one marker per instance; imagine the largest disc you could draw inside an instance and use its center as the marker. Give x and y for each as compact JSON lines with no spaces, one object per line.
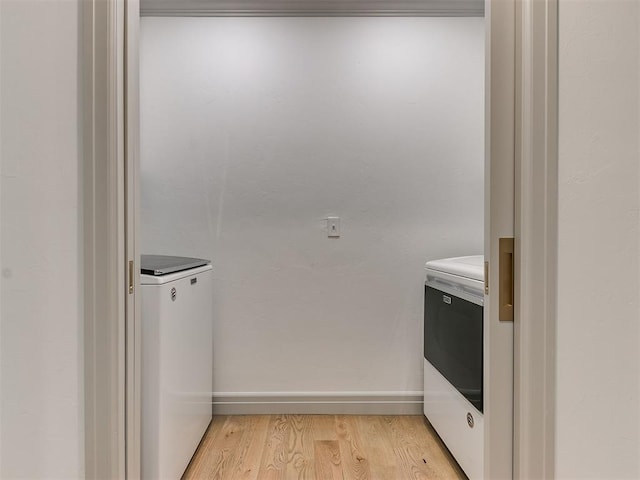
{"x":333,"y":227}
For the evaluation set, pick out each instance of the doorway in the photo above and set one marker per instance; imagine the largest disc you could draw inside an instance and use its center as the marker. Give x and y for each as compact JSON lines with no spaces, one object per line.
{"x":228,"y":142}
{"x":494,"y":377}
{"x":254,"y":132}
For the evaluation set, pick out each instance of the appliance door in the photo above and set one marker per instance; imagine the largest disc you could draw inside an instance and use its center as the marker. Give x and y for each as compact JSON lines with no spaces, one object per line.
{"x":453,"y":341}
{"x":177,"y":372}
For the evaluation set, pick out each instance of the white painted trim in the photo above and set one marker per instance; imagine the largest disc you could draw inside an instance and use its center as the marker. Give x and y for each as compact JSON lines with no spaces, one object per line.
{"x":132,"y":214}
{"x":103,"y":235}
{"x":2,"y":120}
{"x":205,"y":8}
{"x":1,"y":263}
{"x":499,"y":222}
{"x":536,"y":240}
{"x":346,"y":403}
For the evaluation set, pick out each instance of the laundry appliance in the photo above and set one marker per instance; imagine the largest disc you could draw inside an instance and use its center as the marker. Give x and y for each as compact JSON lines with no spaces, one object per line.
{"x":177,"y":362}
{"x":453,"y":357}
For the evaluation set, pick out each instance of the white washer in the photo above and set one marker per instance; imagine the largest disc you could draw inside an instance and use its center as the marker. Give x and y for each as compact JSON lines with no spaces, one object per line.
{"x":177,"y":362}
{"x":453,"y":357}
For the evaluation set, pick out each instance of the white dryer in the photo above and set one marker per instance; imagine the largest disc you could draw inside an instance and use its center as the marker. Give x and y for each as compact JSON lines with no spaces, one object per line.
{"x":453,"y":357}
{"x":177,"y":362}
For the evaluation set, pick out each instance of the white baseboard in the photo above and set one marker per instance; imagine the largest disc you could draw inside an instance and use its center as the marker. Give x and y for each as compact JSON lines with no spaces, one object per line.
{"x":332,"y":403}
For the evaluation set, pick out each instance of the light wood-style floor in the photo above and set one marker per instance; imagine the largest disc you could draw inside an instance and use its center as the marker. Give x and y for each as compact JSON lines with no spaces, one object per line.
{"x":310,"y":447}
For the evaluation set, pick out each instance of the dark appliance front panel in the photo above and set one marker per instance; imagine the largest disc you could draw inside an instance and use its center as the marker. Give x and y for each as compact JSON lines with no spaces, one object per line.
{"x":453,"y":341}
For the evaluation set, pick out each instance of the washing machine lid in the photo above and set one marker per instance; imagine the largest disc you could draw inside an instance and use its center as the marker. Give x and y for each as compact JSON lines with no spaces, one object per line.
{"x":459,"y":276}
{"x":158,"y":265}
{"x":471,"y":267}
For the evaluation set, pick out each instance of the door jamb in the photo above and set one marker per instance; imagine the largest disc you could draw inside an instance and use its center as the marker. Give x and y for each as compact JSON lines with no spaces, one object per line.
{"x":536,"y":231}
{"x":104,"y":249}
{"x":132,"y":211}
{"x":500,"y":100}
{"x":522,"y":135}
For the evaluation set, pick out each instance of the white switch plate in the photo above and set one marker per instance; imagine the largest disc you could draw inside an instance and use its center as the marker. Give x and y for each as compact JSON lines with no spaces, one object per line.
{"x":333,"y":226}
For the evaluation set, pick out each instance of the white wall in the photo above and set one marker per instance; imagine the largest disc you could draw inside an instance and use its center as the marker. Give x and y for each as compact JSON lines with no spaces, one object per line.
{"x":40,"y":330}
{"x":598,"y":377}
{"x":256,"y":129}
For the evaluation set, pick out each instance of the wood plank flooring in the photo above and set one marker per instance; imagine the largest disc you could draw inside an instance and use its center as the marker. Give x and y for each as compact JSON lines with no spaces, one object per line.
{"x":321,"y":447}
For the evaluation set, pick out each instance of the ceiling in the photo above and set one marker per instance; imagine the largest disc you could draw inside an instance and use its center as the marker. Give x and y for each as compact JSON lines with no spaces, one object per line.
{"x":203,"y":8}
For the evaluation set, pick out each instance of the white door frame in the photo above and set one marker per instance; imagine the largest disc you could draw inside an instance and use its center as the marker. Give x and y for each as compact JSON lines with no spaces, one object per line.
{"x":521,"y":201}
{"x":132,"y":200}
{"x":536,"y":230}
{"x":525,"y":126}
{"x":109,"y":176}
{"x":104,"y":239}
{"x":499,"y":223}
